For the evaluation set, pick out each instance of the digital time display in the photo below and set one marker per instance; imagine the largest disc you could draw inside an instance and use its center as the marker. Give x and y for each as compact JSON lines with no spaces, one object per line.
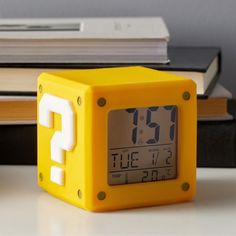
{"x":142,"y":144}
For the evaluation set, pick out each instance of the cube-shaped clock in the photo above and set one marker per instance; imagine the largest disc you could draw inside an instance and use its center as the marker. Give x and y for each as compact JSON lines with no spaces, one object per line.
{"x":117,"y":138}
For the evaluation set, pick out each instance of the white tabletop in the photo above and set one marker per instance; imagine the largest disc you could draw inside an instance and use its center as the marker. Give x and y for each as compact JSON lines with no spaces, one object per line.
{"x":25,"y":209}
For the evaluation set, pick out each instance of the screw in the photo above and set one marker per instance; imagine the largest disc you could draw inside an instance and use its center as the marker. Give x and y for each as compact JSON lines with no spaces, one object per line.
{"x":101,"y":195}
{"x":186,"y":95}
{"x":40,"y":176}
{"x":101,"y":102}
{"x":40,"y":88}
{"x":79,"y":193}
{"x":185,"y":186}
{"x":79,"y":101}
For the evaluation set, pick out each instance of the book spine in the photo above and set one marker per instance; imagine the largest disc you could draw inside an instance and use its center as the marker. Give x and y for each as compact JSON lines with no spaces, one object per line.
{"x":18,"y":144}
{"x":216,"y":144}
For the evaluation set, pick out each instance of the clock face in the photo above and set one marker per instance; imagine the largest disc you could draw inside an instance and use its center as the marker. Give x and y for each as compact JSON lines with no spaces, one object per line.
{"x":142,"y":144}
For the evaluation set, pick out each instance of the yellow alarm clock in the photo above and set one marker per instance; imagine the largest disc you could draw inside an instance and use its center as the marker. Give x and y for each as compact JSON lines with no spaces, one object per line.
{"x":117,"y":138}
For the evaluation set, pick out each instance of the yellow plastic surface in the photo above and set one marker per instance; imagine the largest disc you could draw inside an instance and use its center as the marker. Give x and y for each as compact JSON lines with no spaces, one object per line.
{"x":85,"y":166}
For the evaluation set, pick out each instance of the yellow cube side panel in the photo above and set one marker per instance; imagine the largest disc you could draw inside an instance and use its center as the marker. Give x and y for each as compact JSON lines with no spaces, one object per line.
{"x":74,"y":165}
{"x":150,"y":193}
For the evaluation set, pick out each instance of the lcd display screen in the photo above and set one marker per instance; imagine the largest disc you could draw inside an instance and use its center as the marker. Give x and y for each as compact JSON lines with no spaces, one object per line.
{"x":142,"y":144}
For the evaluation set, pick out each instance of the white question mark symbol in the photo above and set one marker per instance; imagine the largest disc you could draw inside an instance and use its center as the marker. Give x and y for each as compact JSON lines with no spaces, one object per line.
{"x":61,"y":140}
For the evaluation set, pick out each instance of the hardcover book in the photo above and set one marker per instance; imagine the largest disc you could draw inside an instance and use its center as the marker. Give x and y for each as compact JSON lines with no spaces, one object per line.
{"x":18,"y":110}
{"x":216,"y":106}
{"x":203,"y":65}
{"x":18,"y":144}
{"x":81,"y":40}
{"x":216,"y":145}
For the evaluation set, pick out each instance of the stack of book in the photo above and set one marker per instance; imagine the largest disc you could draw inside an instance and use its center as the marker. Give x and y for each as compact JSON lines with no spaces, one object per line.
{"x":91,"y":40}
{"x":28,"y":48}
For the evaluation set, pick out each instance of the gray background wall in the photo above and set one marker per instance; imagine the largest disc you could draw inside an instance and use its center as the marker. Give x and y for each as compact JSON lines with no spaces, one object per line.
{"x":190,"y":22}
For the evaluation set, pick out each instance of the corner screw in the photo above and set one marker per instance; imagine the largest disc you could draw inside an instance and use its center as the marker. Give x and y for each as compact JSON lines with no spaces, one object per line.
{"x":185,"y":186}
{"x":101,"y":102}
{"x":79,"y":101}
{"x":101,"y":195}
{"x":40,"y":88}
{"x":79,"y":193}
{"x":186,"y":95}
{"x":41,"y":176}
